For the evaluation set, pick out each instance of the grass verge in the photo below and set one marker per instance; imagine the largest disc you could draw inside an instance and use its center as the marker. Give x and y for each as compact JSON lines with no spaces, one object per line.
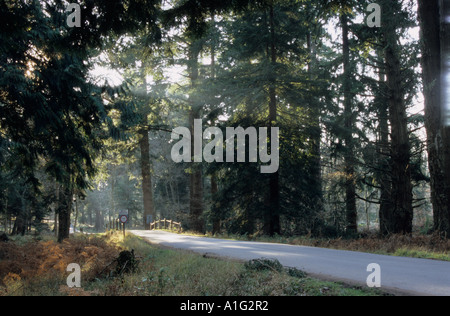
{"x":161,"y":272}
{"x":169,"y":272}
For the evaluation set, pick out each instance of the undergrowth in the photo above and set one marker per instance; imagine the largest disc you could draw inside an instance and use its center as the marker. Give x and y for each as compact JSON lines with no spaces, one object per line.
{"x":38,"y":267}
{"x":170,"y":272}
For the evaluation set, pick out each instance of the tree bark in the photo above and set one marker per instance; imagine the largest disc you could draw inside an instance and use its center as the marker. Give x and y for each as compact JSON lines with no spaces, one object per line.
{"x":144,"y":145}
{"x":196,"y":190}
{"x":20,"y":224}
{"x":445,"y":105}
{"x":383,"y":173}
{"x":438,"y":135}
{"x":98,"y":220}
{"x":64,"y":210}
{"x":316,"y":134}
{"x":214,"y":186}
{"x":147,"y":192}
{"x":272,"y":216}
{"x":76,"y":215}
{"x":401,"y":193}
{"x":350,"y":185}
{"x":215,"y":216}
{"x":384,"y":178}
{"x":196,"y":176}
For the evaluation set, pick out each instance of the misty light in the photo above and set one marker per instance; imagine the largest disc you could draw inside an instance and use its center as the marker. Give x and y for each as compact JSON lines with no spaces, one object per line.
{"x":446,"y":97}
{"x":446,"y":69}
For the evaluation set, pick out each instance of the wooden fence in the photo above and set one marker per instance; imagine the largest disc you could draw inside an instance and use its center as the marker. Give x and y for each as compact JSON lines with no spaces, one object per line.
{"x":166,"y":224}
{"x":114,"y":224}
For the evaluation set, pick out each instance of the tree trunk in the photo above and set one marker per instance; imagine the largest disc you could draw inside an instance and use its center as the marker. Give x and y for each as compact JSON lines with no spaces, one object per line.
{"x":76,"y":216}
{"x":98,"y":220}
{"x":112,"y":212}
{"x":432,"y":33}
{"x":384,"y":178}
{"x":383,"y":152}
{"x":20,"y":224}
{"x":349,"y":163}
{"x":215,"y":216}
{"x":272,"y":217}
{"x":55,"y":226}
{"x":316,"y":134}
{"x":445,"y":105}
{"x":196,"y":190}
{"x":214,"y":185}
{"x":402,"y":210}
{"x":144,"y":145}
{"x":147,"y":192}
{"x":196,"y":176}
{"x":64,"y":210}
{"x":6,"y":214}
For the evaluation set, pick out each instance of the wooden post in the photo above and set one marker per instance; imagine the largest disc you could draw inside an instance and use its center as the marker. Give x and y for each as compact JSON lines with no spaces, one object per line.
{"x":165,"y":224}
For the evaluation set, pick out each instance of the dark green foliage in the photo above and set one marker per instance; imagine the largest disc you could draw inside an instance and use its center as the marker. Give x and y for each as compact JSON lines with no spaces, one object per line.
{"x":51,"y":113}
{"x":247,"y":76}
{"x":263,"y":264}
{"x":273,"y":265}
{"x":197,"y":12}
{"x":3,"y":237}
{"x":126,"y":263}
{"x":296,"y":273}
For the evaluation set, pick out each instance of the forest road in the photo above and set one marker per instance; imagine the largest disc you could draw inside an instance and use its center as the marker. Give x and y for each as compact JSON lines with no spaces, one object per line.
{"x":398,"y":275}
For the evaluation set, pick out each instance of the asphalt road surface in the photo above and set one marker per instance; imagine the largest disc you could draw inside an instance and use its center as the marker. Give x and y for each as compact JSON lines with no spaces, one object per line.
{"x":398,"y":275}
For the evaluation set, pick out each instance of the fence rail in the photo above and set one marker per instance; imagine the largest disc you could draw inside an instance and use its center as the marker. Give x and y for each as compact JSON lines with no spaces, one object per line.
{"x":166,"y":224}
{"x":114,"y":224}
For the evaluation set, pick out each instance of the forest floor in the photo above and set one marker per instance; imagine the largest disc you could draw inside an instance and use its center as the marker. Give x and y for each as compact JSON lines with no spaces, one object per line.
{"x":37,"y":266}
